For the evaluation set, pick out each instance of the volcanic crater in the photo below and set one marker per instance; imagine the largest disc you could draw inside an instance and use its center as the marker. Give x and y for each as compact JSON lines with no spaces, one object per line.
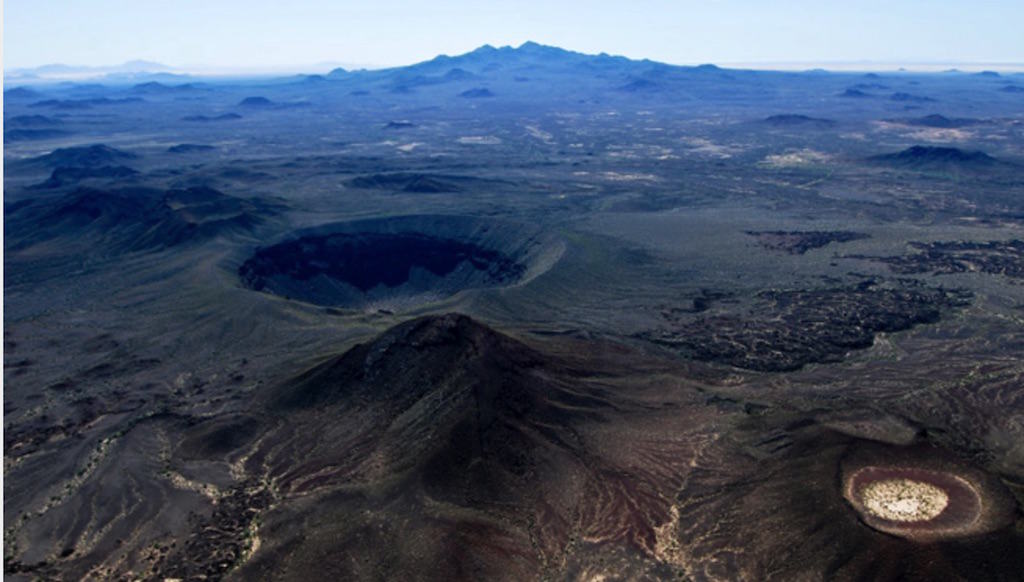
{"x":399,"y":262}
{"x":924,"y":496}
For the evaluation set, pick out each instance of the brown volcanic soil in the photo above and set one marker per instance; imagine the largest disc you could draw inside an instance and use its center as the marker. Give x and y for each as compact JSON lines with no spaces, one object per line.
{"x":446,"y":450}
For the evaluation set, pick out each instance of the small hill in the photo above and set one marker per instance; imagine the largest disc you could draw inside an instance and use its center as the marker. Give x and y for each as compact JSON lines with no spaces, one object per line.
{"x":32,"y":127}
{"x":16,"y":135}
{"x":869,"y":86}
{"x":207,"y":119}
{"x":457,"y":74}
{"x":256,"y":102}
{"x":264,"y":103}
{"x":63,"y":176}
{"x":934,"y":157}
{"x":417,"y":182}
{"x":910,"y":98}
{"x":796,"y":120}
{"x":477,"y":93}
{"x":157,"y":88}
{"x":82,"y":156}
{"x":855,"y":94}
{"x":1012,"y":89}
{"x":31,"y":121}
{"x":435,"y":348}
{"x":135,"y":219}
{"x":190,"y":148}
{"x":76,"y":104}
{"x":21,"y":93}
{"x":936,"y":121}
{"x":641,"y":86}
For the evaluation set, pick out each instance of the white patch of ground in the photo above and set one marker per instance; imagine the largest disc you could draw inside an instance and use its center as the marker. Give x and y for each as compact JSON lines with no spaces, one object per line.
{"x":640,"y":152}
{"x":804,"y":157}
{"x":539,"y":133}
{"x":904,"y":500}
{"x":479,"y":140}
{"x":628,"y":177}
{"x":932,"y":134}
{"x":706,"y":147}
{"x":940,"y":135}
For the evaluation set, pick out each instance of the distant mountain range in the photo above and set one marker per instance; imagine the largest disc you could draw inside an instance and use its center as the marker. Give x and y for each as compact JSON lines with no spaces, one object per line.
{"x":142,"y":71}
{"x":453,"y":68}
{"x":73,"y":72}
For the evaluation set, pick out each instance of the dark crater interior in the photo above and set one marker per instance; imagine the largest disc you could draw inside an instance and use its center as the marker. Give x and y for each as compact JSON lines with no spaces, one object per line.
{"x":398,"y":262}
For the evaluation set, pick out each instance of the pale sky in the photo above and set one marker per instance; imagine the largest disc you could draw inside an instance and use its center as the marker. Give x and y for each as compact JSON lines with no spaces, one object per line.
{"x":274,"y":34}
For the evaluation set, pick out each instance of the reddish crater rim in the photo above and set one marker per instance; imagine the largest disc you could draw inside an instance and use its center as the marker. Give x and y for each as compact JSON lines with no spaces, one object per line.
{"x":960,"y":516}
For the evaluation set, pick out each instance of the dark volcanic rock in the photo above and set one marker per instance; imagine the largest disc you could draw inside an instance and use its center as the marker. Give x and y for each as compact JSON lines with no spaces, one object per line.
{"x":798,"y":242}
{"x":220,"y":541}
{"x":994,"y":257}
{"x":1012,"y":89}
{"x":399,"y":125}
{"x":790,"y":329}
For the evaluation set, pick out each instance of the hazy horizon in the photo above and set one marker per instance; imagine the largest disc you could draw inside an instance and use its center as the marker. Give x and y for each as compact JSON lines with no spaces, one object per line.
{"x":265,"y":36}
